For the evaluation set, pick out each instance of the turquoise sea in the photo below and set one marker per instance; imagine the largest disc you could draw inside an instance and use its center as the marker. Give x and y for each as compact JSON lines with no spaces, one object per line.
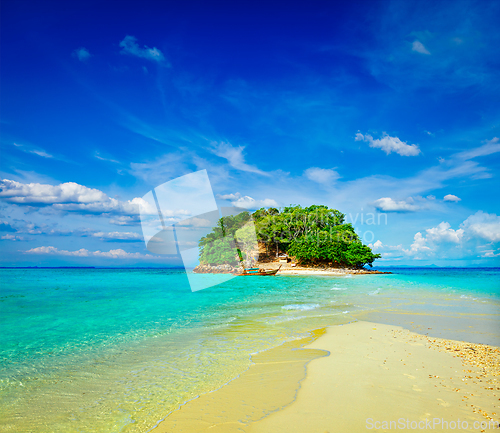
{"x":116,"y":350}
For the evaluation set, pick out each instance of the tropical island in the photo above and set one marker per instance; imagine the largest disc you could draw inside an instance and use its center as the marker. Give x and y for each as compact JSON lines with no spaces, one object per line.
{"x":314,"y":237}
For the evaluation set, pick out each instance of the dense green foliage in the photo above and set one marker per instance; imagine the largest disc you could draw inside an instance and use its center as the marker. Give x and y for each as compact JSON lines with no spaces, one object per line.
{"x":312,"y":235}
{"x":218,"y":247}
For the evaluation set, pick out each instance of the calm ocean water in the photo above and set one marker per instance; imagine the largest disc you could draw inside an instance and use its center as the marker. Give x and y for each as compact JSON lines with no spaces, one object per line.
{"x":116,"y":350}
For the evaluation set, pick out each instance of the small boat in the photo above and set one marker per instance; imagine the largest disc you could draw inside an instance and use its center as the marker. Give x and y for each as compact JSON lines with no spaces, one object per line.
{"x":257,"y":271}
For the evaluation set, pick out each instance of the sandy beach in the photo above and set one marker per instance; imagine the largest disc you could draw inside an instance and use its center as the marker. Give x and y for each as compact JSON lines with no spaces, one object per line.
{"x":288,"y":269}
{"x":353,"y":378}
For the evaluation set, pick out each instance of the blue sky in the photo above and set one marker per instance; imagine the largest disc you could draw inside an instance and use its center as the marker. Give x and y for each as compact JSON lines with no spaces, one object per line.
{"x":387,"y":111}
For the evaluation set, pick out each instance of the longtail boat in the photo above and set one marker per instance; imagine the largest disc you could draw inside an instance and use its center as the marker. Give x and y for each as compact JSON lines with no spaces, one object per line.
{"x":257,"y":271}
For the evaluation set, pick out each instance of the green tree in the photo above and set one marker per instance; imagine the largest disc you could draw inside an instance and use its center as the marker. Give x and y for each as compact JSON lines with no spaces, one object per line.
{"x":312,"y":235}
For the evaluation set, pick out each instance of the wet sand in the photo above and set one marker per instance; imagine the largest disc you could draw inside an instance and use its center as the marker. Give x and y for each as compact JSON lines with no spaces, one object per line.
{"x":352,"y":379}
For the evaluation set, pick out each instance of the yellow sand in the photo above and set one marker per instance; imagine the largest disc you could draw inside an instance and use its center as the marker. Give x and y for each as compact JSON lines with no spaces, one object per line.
{"x":373,"y":373}
{"x":379,"y":373}
{"x":268,"y":385}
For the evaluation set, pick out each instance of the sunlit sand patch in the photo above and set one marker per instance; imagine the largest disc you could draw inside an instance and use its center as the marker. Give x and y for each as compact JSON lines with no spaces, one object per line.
{"x":360,"y":379}
{"x":269,"y":385}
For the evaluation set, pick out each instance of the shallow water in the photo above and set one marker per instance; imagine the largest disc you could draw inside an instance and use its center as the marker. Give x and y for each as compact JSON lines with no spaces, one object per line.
{"x":100,"y":350}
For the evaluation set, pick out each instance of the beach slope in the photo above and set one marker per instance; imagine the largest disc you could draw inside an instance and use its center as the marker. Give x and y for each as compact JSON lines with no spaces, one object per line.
{"x":378,"y":373}
{"x":357,"y":377}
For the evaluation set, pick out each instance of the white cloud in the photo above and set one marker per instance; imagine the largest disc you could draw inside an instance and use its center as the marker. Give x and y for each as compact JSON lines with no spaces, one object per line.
{"x":377,"y":245}
{"x":419,"y":47}
{"x":234,"y":156}
{"x":39,"y":152}
{"x":234,"y":196}
{"x":125,"y":220}
{"x":162,"y":169}
{"x":322,"y":175}
{"x":443,"y":233}
{"x":17,"y":192}
{"x":247,"y":202}
{"x":110,"y":205}
{"x":44,"y":229}
{"x":130,"y":46}
{"x":490,"y":147}
{"x":482,"y":225}
{"x":9,"y":237}
{"x":106,"y":159}
{"x":118,"y":236}
{"x":490,"y":253}
{"x":390,"y":144}
{"x":195,"y":222}
{"x":69,"y":196}
{"x":451,"y":197}
{"x":82,"y":54}
{"x":113,"y":254}
{"x":419,"y":245}
{"x":387,"y":204}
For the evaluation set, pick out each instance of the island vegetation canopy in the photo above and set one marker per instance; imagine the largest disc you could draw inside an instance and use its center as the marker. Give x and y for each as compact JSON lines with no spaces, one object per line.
{"x":311,"y":235}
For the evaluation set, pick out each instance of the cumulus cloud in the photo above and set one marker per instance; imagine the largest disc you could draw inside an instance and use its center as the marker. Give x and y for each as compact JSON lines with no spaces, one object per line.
{"x":247,"y":202}
{"x":322,"y":175}
{"x":113,"y":254}
{"x":444,"y":233}
{"x":445,"y":240}
{"x":234,"y":156}
{"x":419,"y":47}
{"x":377,"y":245}
{"x":419,"y":245}
{"x":17,"y":192}
{"x":70,"y":196}
{"x":389,"y":144}
{"x":130,"y":46}
{"x":387,"y":204}
{"x":451,"y":197}
{"x":483,"y":225}
{"x":82,"y":54}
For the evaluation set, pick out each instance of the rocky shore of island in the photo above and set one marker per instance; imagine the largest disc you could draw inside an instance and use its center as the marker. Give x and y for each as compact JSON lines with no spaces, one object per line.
{"x":217,"y":269}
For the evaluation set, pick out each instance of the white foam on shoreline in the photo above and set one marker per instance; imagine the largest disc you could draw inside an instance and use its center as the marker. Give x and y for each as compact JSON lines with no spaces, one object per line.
{"x":301,"y":307}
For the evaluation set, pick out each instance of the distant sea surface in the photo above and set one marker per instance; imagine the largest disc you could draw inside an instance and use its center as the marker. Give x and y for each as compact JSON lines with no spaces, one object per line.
{"x":116,"y":350}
